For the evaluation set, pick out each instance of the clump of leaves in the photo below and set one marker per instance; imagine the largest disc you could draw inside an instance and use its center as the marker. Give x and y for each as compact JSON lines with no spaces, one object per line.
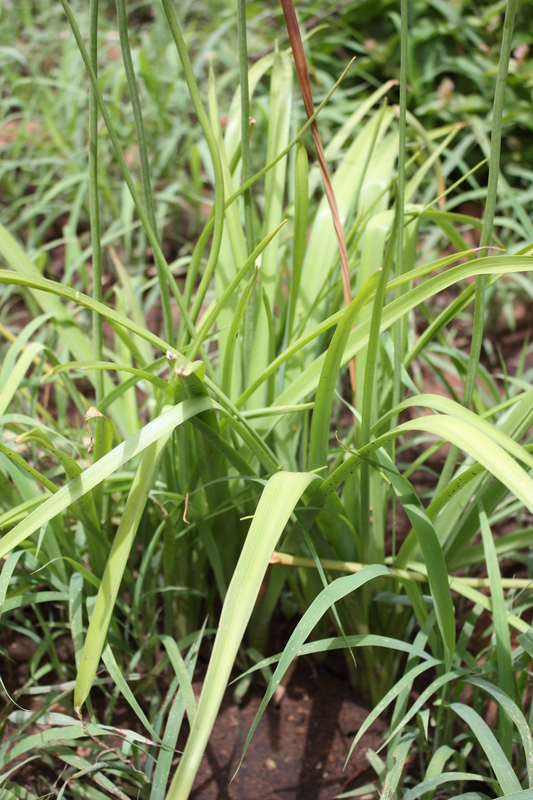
{"x":223,"y":412}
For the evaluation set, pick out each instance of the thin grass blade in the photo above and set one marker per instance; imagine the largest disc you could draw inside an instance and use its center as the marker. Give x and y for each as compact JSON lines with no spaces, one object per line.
{"x":503,"y":770}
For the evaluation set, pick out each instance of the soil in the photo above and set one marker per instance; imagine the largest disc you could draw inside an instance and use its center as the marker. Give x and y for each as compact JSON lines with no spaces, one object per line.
{"x":299,"y":748}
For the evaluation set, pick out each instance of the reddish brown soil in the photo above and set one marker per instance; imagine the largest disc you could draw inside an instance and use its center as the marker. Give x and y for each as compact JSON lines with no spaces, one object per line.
{"x":298,"y":750}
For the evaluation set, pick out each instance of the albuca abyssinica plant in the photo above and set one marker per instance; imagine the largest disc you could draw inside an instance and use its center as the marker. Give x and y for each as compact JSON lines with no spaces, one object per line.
{"x":218,"y":432}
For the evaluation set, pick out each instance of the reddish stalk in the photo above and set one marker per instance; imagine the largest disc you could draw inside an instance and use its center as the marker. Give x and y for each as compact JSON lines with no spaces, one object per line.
{"x":300,"y":63}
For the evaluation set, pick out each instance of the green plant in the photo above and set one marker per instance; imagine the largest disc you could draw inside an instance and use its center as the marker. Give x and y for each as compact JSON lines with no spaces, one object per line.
{"x":230,"y":418}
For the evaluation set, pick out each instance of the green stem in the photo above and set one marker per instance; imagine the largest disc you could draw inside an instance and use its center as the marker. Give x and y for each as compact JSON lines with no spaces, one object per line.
{"x":399,"y":328}
{"x":203,"y":119}
{"x":93,"y":200}
{"x":245,"y":122}
{"x":488,"y":221}
{"x":201,"y":244}
{"x":143,"y":158}
{"x":158,"y":253}
{"x":398,"y":338}
{"x":250,"y":311}
{"x":492,"y":193}
{"x":367,"y":409}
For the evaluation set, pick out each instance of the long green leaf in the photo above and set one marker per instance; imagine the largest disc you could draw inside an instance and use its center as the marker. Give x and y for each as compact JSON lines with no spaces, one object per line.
{"x":211,"y":143}
{"x":515,"y":715}
{"x":26,"y":271}
{"x":16,"y":375}
{"x":235,"y":327}
{"x":502,"y":769}
{"x":213,"y":312}
{"x":109,"y":366}
{"x":115,"y":566}
{"x":327,"y":597}
{"x":307,"y":382}
{"x":431,"y":551}
{"x":119,"y":679}
{"x":430,"y":784}
{"x":172,"y":728}
{"x":320,"y":425}
{"x":98,"y":472}
{"x":474,"y":442}
{"x":399,"y":757}
{"x":501,"y":629}
{"x":448,"y":406}
{"x":279,"y":497}
{"x":20,"y":345}
{"x":180,"y":668}
{"x":404,"y":682}
{"x":53,"y":287}
{"x":340,"y":642}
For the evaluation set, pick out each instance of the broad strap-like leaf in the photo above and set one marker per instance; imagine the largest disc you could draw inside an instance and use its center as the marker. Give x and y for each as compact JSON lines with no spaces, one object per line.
{"x":277,"y":502}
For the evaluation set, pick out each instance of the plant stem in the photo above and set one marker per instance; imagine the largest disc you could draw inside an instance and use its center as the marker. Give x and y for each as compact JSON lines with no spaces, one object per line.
{"x":398,"y":338}
{"x":94,"y":211}
{"x":488,"y":221}
{"x":300,"y":63}
{"x":204,"y":236}
{"x":250,"y":312}
{"x":492,"y":194}
{"x":398,"y":335}
{"x":288,"y":560}
{"x":245,"y":123}
{"x":203,"y":119}
{"x":158,"y":253}
{"x":143,"y":159}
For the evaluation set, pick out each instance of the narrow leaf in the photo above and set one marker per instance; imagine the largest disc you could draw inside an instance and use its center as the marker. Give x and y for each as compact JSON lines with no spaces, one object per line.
{"x":114,"y":570}
{"x":502,"y":769}
{"x":92,"y":476}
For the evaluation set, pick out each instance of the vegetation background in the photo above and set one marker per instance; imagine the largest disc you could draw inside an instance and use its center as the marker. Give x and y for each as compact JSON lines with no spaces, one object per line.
{"x":236,"y":391}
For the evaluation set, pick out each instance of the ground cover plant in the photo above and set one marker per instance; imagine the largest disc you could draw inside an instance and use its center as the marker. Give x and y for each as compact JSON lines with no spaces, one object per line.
{"x":214,"y":404}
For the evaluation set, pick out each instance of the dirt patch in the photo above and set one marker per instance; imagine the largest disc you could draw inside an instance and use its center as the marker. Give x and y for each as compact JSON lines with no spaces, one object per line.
{"x":298,"y":750}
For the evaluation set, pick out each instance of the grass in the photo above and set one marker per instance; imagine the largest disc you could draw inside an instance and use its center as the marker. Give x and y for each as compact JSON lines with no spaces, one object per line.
{"x":211,"y":392}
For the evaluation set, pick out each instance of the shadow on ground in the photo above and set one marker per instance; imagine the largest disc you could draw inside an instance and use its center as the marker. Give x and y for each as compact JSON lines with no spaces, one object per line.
{"x":298,"y":749}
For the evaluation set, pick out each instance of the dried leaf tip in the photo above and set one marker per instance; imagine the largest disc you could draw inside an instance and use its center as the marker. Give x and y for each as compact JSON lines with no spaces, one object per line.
{"x":91,"y":413}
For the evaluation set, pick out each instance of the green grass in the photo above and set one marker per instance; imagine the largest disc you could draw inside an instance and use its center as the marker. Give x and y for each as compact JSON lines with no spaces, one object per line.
{"x":191,"y":388}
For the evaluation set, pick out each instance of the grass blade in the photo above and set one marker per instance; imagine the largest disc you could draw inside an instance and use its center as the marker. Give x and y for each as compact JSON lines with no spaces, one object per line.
{"x":501,"y":630}
{"x":333,"y":593}
{"x":515,"y":715}
{"x":172,"y":728}
{"x":235,"y":327}
{"x":213,"y":151}
{"x":99,"y":471}
{"x":505,"y":776}
{"x":301,"y":205}
{"x":146,"y":185}
{"x":114,"y":570}
{"x":431,"y":552}
{"x":320,"y":424}
{"x":180,"y":668}
{"x":16,"y":376}
{"x":393,"y":776}
{"x":279,"y":497}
